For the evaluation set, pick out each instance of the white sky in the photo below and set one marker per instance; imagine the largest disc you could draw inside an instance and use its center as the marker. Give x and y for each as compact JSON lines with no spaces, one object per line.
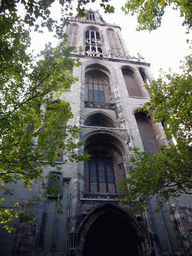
{"x":163,"y":48}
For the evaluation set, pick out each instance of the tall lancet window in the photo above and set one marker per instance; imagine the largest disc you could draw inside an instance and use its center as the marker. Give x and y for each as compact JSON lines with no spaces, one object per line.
{"x":114,"y":42}
{"x":72,"y":34}
{"x":105,"y":169}
{"x":93,"y":41}
{"x":133,"y":87}
{"x":101,"y":173}
{"x":91,"y":16}
{"x":96,"y":84}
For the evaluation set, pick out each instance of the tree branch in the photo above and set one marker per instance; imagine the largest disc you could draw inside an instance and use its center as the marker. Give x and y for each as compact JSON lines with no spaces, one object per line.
{"x":29,"y":99}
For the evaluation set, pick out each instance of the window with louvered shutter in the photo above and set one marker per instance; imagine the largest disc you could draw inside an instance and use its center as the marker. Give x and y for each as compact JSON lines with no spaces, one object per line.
{"x":114,"y":42}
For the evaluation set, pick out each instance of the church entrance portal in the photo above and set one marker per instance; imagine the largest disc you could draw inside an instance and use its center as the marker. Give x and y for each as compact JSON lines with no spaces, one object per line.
{"x":110,"y":234}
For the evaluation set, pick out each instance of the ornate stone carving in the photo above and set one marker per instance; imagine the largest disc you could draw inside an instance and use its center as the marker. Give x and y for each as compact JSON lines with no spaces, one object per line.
{"x":109,"y":55}
{"x":104,"y":105}
{"x":98,"y":196}
{"x":84,"y":20}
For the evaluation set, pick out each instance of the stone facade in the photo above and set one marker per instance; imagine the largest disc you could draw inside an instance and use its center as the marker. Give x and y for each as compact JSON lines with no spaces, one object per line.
{"x":104,"y":102}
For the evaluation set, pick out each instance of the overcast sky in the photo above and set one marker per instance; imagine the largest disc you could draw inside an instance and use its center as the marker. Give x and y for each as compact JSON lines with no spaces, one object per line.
{"x":163,"y":48}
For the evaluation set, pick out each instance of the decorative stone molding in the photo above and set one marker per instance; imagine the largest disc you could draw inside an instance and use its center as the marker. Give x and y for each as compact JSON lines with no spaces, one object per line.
{"x":91,"y":104}
{"x":121,"y":133}
{"x":98,"y":196}
{"x":84,"y":20}
{"x":110,"y":56}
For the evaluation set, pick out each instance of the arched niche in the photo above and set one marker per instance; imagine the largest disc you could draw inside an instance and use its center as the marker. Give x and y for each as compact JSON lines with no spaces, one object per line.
{"x":97,"y":66}
{"x":114,"y":42}
{"x":100,"y":120}
{"x":143,"y":75}
{"x":105,"y":169}
{"x":133,"y":87}
{"x":109,"y":230}
{"x":147,"y":132}
{"x":72,"y":34}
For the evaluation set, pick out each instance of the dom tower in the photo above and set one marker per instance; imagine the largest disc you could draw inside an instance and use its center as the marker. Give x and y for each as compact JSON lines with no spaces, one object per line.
{"x":104,"y":102}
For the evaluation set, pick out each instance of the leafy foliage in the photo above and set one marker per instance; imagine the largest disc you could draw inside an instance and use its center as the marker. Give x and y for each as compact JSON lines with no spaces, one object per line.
{"x":186,"y":246}
{"x":150,"y":12}
{"x":33,"y":120}
{"x":168,"y":174}
{"x":81,"y":10}
{"x":37,"y":14}
{"x":171,"y":103}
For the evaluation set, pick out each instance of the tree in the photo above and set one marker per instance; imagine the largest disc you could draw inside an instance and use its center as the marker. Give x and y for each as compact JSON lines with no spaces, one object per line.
{"x":168,"y":174}
{"x":31,"y":136}
{"x":107,"y":7}
{"x":150,"y":12}
{"x":25,"y":85}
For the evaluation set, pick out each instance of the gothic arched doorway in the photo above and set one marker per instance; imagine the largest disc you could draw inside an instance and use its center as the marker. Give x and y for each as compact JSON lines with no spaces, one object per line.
{"x":110,"y":235}
{"x":109,"y":230}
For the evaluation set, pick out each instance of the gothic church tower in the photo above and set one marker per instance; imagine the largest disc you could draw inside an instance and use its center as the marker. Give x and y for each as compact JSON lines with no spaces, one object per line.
{"x":104,"y":101}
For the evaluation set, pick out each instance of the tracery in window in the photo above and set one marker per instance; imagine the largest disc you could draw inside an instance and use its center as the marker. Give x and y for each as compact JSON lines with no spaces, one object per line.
{"x":101,"y":173}
{"x":96,"y":83}
{"x":91,"y":16}
{"x":104,"y":171}
{"x":114,"y":42}
{"x":72,"y":34}
{"x":93,"y":41}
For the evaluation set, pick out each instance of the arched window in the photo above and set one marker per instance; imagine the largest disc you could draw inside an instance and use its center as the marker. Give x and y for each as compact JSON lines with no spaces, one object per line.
{"x":96,"y":83}
{"x":104,"y":170}
{"x":93,"y":41}
{"x":114,"y":42}
{"x":91,"y":16}
{"x":72,"y":34}
{"x":134,"y":89}
{"x":101,"y":173}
